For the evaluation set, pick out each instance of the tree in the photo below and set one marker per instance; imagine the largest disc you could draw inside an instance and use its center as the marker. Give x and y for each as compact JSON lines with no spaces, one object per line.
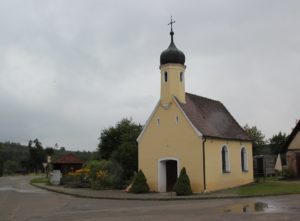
{"x":139,"y":184}
{"x":277,"y":142}
{"x":104,"y":174}
{"x":183,"y":186}
{"x":257,"y":136}
{"x":119,"y":144}
{"x":110,"y":139}
{"x":37,"y":155}
{"x":49,"y":151}
{"x":14,"y":152}
{"x":10,"y":167}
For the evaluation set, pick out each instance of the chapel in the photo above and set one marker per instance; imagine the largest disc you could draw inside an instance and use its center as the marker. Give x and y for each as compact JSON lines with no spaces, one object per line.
{"x":191,"y":131}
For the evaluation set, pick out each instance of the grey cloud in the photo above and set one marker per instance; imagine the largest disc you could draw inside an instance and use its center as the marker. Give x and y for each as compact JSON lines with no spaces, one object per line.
{"x":71,"y":68}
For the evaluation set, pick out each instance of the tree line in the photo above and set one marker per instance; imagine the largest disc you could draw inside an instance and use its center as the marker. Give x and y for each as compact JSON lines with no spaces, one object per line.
{"x":116,"y":144}
{"x":18,"y":158}
{"x":261,"y":145}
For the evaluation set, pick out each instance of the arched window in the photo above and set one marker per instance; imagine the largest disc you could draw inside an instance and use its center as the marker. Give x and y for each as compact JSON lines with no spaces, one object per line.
{"x":225,"y":160}
{"x":244,"y":159}
{"x":181,"y":76}
{"x":166,"y":76}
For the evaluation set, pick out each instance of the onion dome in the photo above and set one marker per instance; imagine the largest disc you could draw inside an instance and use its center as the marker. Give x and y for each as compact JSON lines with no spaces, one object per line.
{"x":172,"y":54}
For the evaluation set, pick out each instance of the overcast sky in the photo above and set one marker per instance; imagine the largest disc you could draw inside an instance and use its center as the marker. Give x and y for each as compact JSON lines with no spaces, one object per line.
{"x":69,"y":69}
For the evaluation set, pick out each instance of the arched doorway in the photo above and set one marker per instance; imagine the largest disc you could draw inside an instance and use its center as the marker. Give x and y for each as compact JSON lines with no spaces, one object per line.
{"x":167,"y":174}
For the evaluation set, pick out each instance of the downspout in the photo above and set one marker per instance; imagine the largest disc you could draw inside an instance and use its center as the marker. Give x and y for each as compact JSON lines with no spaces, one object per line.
{"x":203,"y":154}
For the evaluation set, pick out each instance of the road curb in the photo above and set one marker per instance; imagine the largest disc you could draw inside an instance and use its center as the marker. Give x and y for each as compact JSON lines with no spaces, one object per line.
{"x":167,"y":198}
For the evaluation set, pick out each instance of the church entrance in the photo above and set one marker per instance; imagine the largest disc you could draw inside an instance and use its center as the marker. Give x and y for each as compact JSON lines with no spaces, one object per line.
{"x":167,"y":174}
{"x":171,"y":173}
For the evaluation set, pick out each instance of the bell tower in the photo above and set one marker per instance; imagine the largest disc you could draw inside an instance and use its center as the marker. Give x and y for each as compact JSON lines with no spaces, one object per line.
{"x":172,"y":70}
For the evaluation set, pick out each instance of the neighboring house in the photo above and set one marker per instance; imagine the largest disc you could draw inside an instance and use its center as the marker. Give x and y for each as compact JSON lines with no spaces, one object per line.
{"x":186,"y":130}
{"x":67,"y":163}
{"x":292,"y":146}
{"x":264,"y":161}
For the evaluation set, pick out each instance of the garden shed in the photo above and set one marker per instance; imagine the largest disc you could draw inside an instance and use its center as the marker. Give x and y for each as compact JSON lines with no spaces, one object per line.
{"x":67,"y":163}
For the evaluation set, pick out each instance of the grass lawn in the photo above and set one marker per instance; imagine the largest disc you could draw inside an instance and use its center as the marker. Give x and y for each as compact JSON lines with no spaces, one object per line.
{"x":42,"y":179}
{"x":271,"y":186}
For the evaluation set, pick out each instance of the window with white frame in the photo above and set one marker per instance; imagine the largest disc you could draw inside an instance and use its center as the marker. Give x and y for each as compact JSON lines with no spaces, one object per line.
{"x":244,"y":161}
{"x":225,"y":160}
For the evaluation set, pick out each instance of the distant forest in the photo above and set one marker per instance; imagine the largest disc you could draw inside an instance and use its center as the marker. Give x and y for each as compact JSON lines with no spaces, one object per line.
{"x":18,"y":158}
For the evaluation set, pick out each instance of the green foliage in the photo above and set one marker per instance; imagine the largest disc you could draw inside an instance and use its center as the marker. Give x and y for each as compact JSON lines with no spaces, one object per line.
{"x":10,"y":167}
{"x":127,"y":156}
{"x":40,"y":180}
{"x":139,"y":184}
{"x":79,"y":178}
{"x":105,"y":174}
{"x":277,"y":143}
{"x":26,"y":163}
{"x":270,"y":187}
{"x":37,"y":155}
{"x":288,"y":173}
{"x":49,"y":151}
{"x":257,"y":136}
{"x":182,"y":186}
{"x":72,"y":181}
{"x":14,"y":152}
{"x":119,"y":144}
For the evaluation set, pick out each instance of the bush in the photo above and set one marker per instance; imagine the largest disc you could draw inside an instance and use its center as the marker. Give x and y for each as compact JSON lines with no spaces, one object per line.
{"x":288,"y":173}
{"x":71,"y":181}
{"x":10,"y":167}
{"x":79,"y":178}
{"x":105,"y":174}
{"x":182,"y":186}
{"x":139,"y":184}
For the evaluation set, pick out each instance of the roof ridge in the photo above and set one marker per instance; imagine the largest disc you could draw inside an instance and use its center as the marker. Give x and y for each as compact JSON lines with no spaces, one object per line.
{"x":195,"y":95}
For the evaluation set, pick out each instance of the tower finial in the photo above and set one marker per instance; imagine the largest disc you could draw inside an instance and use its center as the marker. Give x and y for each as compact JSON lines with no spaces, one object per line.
{"x":171,"y":24}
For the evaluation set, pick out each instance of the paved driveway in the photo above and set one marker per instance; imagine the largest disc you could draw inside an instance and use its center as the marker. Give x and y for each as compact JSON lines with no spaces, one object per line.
{"x":21,"y":201}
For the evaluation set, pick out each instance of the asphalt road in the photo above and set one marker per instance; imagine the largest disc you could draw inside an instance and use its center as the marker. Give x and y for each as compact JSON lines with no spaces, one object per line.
{"x":21,"y":201}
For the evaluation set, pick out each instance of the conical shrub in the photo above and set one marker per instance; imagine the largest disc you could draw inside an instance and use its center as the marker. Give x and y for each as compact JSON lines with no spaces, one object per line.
{"x":139,"y":184}
{"x":182,"y":186}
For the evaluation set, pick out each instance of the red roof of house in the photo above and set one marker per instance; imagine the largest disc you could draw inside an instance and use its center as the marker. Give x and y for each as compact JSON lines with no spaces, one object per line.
{"x":68,"y":158}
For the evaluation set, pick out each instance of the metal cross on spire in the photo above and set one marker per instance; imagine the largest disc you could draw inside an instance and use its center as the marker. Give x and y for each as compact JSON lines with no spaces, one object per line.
{"x":171,"y":23}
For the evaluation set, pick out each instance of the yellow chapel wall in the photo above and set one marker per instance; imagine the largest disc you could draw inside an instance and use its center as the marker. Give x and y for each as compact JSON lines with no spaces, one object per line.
{"x":215,"y":178}
{"x":171,"y":139}
{"x":295,"y":144}
{"x":173,"y":86}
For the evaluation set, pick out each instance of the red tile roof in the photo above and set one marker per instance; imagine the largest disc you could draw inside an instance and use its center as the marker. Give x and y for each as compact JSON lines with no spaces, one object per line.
{"x":68,"y":158}
{"x":212,"y":119}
